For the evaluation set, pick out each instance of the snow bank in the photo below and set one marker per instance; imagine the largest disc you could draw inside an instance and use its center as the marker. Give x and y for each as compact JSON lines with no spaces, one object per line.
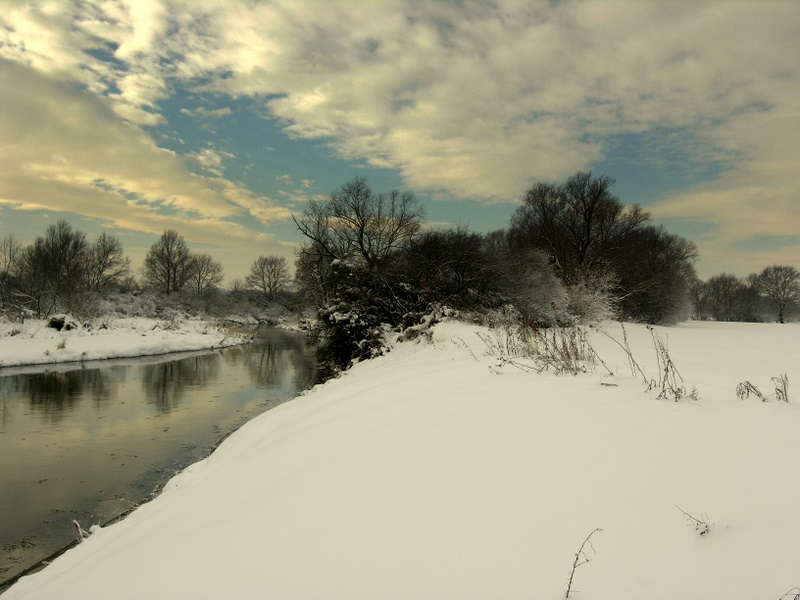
{"x":34,"y":342}
{"x":439,"y":472}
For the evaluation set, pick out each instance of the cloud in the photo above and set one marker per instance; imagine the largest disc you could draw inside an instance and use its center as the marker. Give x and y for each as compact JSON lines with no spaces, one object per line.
{"x":202,"y":112}
{"x":64,"y":149}
{"x":211,"y":160}
{"x":474,"y":100}
{"x":751,"y":212}
{"x":478,"y":100}
{"x":465,"y":99}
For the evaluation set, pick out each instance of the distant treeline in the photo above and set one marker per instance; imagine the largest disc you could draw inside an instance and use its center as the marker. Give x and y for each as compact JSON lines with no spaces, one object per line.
{"x":772,"y":295}
{"x":572,"y":253}
{"x":62,"y":271}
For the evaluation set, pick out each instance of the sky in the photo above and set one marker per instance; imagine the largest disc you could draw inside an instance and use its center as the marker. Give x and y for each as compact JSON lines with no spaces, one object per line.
{"x":221,"y":119}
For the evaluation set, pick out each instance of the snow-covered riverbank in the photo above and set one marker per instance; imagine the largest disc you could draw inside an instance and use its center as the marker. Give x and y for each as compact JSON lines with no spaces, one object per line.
{"x":441,"y":472}
{"x":35,"y":343}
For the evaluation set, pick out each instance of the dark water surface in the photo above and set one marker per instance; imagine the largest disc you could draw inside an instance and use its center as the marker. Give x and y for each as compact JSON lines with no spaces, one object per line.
{"x":90,"y":442}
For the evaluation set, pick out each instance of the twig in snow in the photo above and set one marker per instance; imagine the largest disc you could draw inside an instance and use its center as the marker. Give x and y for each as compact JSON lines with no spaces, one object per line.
{"x":700,"y":525}
{"x":581,"y":558}
{"x":745,"y":389}
{"x":670,"y":380}
{"x":781,"y":384}
{"x":781,"y":388}
{"x":634,"y":366}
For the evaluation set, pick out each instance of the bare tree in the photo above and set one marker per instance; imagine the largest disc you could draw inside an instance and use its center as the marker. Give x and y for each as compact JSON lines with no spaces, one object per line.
{"x":590,"y":236}
{"x":168,"y":264}
{"x":106,"y":264}
{"x":268,"y":275}
{"x":52,"y":269}
{"x":355,"y":224}
{"x":10,"y":253}
{"x":347,"y":265}
{"x":723,"y":294}
{"x":579,"y":223}
{"x":656,"y":272}
{"x":314,"y":275}
{"x":206,"y":273}
{"x":750,"y":298}
{"x":781,"y":284}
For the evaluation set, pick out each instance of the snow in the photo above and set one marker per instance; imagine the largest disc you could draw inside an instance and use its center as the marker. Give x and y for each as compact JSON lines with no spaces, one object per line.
{"x":34,"y":343}
{"x":439,"y":472}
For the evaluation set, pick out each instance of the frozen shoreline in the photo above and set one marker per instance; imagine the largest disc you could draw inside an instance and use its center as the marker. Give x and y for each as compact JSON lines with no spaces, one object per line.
{"x":438,"y":471}
{"x":34,"y":343}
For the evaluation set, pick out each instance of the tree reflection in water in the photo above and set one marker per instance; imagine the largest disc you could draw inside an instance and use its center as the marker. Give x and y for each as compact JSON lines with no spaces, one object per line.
{"x":53,"y":394}
{"x":166,"y":383}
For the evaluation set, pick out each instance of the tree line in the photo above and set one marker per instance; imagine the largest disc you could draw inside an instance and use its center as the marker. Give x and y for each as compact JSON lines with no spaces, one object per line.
{"x":61,"y":271}
{"x":572,"y":252}
{"x":773,"y":294}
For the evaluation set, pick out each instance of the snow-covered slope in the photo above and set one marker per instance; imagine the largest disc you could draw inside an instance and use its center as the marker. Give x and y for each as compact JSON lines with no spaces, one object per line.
{"x":436,"y":472}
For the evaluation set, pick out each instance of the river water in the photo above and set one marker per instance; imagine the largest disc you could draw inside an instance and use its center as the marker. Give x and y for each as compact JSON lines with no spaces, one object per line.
{"x":89,"y":442}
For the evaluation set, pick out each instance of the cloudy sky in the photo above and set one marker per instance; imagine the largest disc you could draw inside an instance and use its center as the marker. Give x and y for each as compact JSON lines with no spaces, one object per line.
{"x":220,"y":119}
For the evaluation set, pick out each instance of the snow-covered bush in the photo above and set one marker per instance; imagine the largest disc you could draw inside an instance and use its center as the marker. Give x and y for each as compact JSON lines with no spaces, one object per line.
{"x":347,"y":334}
{"x":423,"y":322}
{"x":592,"y":297}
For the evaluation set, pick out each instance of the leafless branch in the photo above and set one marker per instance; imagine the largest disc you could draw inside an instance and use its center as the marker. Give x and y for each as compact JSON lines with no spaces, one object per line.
{"x":581,"y":558}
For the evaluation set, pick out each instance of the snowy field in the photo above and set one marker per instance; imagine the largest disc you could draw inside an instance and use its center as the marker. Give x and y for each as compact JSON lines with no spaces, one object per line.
{"x":34,"y":343}
{"x":440,"y":472}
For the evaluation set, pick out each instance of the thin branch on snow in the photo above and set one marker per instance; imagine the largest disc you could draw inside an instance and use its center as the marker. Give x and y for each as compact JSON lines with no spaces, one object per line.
{"x":700,"y":525}
{"x":581,"y":558}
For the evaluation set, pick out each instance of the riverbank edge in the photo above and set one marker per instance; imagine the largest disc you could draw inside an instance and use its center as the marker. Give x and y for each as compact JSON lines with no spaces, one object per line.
{"x":35,"y":345}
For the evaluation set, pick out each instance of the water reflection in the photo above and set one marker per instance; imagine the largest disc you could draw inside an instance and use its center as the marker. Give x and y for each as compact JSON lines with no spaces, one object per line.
{"x":165,"y":383}
{"x":284,"y":353}
{"x":88,"y":441}
{"x":52,"y":395}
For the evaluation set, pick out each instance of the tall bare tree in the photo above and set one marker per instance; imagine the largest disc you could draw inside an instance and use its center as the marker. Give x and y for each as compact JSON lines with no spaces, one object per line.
{"x":268,"y":275}
{"x":347,"y":265}
{"x":106,"y":264}
{"x":168,"y":264}
{"x":52,"y":269}
{"x":355,"y":224}
{"x":206,"y":273}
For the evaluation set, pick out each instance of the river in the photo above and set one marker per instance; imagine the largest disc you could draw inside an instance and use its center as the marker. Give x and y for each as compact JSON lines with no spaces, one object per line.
{"x":90,"y":442}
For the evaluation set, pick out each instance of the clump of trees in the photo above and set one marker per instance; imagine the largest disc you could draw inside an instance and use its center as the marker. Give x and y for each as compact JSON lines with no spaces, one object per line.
{"x":170,"y":266}
{"x":62,"y":271}
{"x":368,"y":265}
{"x":772,"y":295}
{"x":350,"y":267}
{"x":610,"y":257}
{"x":572,"y":253}
{"x":59,"y":270}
